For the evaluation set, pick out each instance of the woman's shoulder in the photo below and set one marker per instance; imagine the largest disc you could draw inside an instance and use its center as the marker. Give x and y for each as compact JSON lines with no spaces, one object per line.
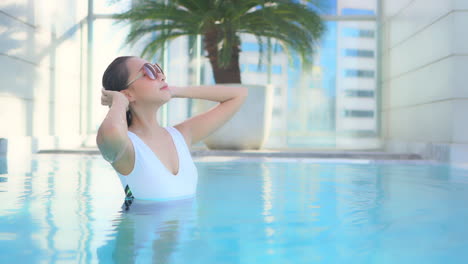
{"x":125,"y":164}
{"x":184,"y":132}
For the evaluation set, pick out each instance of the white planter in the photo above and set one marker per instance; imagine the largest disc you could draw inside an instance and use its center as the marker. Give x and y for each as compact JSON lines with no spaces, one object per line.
{"x":249,"y":128}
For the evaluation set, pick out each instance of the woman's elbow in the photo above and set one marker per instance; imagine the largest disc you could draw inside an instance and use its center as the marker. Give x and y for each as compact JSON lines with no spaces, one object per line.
{"x":244,"y":91}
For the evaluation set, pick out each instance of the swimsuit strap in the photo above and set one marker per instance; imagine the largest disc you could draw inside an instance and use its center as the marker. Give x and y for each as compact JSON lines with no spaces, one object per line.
{"x":128,"y":198}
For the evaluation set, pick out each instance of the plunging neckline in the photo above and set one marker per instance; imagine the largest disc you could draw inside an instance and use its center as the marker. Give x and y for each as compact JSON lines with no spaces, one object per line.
{"x":159,"y":160}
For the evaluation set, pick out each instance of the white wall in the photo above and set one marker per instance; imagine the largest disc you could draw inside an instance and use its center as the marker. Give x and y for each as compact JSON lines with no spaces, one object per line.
{"x":45,"y":99}
{"x":40,"y":58}
{"x":424,"y":93}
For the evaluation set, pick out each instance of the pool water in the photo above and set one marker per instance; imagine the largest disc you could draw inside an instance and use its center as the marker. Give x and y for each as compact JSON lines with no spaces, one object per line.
{"x":68,"y":209}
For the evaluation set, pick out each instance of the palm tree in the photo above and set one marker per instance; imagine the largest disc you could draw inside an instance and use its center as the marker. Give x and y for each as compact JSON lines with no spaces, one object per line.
{"x":296,"y":26}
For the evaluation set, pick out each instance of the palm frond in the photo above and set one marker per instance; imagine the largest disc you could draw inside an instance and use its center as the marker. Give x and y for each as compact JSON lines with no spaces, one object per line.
{"x":294,"y":25}
{"x":298,"y":27}
{"x":157,"y":44}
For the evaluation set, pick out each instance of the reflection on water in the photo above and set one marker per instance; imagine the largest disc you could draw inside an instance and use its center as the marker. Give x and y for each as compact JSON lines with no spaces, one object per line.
{"x":3,"y":165}
{"x":3,"y":169}
{"x":149,"y":231}
{"x":69,"y":208}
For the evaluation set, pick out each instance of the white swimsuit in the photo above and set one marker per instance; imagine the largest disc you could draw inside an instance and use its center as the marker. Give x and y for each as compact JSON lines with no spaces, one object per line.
{"x":151,"y":180}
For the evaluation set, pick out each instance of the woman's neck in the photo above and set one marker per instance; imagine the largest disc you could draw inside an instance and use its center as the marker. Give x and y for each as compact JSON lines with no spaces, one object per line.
{"x":145,"y":122}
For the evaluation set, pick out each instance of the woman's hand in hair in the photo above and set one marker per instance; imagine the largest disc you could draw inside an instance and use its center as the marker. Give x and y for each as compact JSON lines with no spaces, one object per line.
{"x":108,"y":97}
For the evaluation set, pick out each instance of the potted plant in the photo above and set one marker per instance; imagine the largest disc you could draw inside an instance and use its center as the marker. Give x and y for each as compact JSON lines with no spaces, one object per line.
{"x":295,"y":25}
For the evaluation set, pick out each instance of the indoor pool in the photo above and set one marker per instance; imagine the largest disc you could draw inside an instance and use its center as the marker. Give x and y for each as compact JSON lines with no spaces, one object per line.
{"x":68,"y":209}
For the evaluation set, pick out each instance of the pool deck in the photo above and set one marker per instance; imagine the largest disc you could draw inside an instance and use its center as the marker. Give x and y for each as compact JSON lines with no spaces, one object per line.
{"x":198,"y":152}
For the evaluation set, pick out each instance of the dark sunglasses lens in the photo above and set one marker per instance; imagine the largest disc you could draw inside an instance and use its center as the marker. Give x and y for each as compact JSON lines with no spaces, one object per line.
{"x":159,"y":69}
{"x":150,"y":72}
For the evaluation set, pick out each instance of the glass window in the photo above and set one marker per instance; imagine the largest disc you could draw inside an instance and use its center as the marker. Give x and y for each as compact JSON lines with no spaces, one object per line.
{"x":255,"y":47}
{"x":277,"y":111}
{"x":276,"y":47}
{"x":358,"y":53}
{"x":276,"y":69}
{"x":249,"y":46}
{"x":358,"y":113}
{"x":243,"y":67}
{"x":357,"y":11}
{"x":345,"y":7}
{"x":317,"y":114}
{"x":357,"y":33}
{"x":311,"y":109}
{"x":356,"y":8}
{"x":359,"y":93}
{"x":358,"y":73}
{"x":278,"y":91}
{"x":257,"y":68}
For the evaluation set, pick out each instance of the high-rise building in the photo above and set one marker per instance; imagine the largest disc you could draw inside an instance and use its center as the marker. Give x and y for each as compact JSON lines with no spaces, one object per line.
{"x":356,"y":115}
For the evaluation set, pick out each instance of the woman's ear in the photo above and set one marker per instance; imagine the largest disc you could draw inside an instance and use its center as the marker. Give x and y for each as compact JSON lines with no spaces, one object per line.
{"x":128,"y":94}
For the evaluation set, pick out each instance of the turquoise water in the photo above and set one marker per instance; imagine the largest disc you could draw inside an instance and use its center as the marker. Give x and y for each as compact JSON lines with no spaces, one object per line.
{"x":68,"y":209}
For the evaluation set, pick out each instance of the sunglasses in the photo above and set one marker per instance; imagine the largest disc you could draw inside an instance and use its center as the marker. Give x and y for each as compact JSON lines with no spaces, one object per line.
{"x":150,"y":70}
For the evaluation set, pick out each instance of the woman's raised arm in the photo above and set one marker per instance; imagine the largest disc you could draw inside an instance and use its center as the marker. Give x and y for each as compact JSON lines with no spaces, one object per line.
{"x":230,"y":100}
{"x":112,"y":138}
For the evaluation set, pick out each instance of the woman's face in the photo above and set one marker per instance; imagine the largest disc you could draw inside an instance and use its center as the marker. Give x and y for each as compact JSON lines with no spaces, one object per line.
{"x":144,"y":89}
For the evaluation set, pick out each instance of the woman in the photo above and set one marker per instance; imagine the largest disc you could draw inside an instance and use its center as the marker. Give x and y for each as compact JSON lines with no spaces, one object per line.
{"x":154,"y":162}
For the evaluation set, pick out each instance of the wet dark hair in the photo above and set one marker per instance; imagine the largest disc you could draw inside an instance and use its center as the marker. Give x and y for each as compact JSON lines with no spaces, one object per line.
{"x":115,"y":78}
